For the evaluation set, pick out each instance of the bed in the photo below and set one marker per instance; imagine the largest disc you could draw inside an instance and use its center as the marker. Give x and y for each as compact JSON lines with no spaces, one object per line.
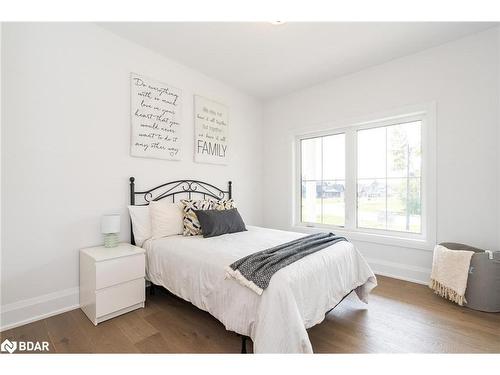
{"x":298,"y":297}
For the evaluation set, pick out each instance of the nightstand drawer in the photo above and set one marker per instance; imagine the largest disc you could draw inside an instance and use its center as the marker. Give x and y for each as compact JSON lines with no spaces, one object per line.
{"x":117,"y":297}
{"x":118,"y":270}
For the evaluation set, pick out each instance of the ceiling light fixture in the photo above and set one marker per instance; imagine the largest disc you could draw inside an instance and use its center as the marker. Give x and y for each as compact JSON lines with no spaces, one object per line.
{"x":277,"y":22}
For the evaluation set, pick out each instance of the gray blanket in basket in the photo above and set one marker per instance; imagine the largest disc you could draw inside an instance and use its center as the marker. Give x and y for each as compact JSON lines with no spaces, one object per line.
{"x":255,"y":270}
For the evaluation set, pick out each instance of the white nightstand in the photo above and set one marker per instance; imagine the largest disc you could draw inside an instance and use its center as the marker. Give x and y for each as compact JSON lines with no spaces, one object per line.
{"x":111,"y":281}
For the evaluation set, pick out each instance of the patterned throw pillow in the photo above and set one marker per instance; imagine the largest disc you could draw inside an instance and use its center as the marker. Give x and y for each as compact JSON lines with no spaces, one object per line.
{"x":225,"y":204}
{"x":192,"y":226}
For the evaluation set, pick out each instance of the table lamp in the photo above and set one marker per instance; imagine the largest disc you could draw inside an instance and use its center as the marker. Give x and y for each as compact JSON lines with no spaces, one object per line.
{"x":110,"y":227}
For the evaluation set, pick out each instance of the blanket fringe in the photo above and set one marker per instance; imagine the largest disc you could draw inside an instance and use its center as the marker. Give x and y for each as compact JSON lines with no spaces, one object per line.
{"x":235,"y":274}
{"x":446,"y":292}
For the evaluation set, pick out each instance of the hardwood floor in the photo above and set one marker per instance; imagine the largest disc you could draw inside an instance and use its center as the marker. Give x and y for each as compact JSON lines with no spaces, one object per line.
{"x":401,"y":317}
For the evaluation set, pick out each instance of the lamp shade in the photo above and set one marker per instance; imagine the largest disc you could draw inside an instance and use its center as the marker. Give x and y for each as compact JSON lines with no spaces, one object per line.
{"x":110,"y":224}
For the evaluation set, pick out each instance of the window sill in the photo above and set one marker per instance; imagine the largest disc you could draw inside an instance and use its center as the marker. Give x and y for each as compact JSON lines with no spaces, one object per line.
{"x":383,"y":239}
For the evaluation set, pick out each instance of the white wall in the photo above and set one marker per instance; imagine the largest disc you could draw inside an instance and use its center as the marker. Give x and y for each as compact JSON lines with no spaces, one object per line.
{"x":1,"y":159}
{"x":498,"y":140}
{"x":66,"y":153}
{"x":462,"y":78}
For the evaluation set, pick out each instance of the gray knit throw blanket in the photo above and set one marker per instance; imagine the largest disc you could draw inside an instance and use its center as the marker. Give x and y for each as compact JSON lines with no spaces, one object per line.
{"x":255,"y":270}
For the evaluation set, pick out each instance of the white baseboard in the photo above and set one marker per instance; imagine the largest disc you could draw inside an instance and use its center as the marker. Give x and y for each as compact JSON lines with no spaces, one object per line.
{"x":414,"y":274}
{"x":29,"y":310}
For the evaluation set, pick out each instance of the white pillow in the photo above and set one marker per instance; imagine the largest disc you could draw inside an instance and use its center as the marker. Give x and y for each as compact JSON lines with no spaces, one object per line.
{"x":166,"y":218}
{"x":141,"y":223}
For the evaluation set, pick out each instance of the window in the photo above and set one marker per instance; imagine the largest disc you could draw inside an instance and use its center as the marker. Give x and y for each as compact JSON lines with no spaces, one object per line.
{"x":323,"y":180}
{"x":368,"y":179}
{"x":388,"y":178}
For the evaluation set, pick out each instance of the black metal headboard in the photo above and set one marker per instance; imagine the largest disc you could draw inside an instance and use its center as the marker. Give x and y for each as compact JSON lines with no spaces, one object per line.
{"x":173,"y":188}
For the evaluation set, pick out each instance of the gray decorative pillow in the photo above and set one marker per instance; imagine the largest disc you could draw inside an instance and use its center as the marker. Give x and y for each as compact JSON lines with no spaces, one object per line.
{"x":191,"y":225}
{"x":217,"y":222}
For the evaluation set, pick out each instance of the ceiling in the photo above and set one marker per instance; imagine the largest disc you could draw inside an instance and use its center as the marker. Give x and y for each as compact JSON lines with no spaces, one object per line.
{"x":267,"y":60}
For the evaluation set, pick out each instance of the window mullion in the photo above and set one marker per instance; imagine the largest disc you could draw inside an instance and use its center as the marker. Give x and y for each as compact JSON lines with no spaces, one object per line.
{"x":350,"y":179}
{"x":386,"y":182}
{"x":321,"y":182}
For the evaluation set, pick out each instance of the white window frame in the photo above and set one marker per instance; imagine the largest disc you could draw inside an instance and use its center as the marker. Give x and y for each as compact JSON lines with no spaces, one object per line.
{"x":424,"y":240}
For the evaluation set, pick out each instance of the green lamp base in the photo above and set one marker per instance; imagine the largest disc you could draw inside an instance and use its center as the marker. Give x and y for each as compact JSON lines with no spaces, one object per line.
{"x":111,"y":240}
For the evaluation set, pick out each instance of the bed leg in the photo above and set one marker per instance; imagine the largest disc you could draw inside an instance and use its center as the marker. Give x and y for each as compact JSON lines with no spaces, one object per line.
{"x":152,"y":289}
{"x":243,"y":345}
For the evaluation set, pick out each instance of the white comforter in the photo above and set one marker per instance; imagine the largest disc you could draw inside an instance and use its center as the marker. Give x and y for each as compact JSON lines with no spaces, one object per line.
{"x":297,"y":298}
